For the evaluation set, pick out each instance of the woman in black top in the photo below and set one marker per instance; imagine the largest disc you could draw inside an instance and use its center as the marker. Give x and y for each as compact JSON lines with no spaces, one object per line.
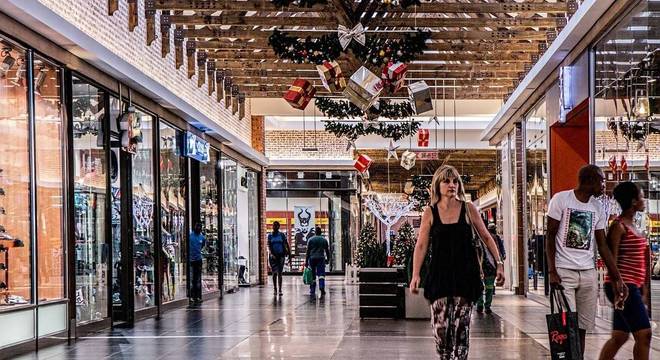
{"x":454,"y":281}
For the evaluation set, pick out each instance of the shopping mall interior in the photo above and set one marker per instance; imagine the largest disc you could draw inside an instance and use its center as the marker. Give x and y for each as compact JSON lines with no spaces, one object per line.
{"x":316,"y":115}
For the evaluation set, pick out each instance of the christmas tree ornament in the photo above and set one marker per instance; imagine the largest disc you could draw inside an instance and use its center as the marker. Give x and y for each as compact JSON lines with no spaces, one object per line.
{"x":408,"y":159}
{"x":300,"y":94}
{"x":423,"y":136}
{"x":391,"y":151}
{"x":434,"y":119}
{"x":331,"y":75}
{"x":363,"y":88}
{"x":346,"y":35}
{"x":362,"y":163}
{"x":420,"y":97}
{"x":388,"y":209}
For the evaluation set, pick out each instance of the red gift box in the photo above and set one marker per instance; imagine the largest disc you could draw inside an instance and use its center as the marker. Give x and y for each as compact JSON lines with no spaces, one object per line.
{"x":423,"y":137}
{"x":300,"y":94}
{"x":331,"y":75}
{"x":362,"y":163}
{"x":394,"y":76}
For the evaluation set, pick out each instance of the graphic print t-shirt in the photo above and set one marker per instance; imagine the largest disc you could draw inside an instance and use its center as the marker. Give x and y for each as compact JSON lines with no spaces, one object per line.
{"x":578,"y":223}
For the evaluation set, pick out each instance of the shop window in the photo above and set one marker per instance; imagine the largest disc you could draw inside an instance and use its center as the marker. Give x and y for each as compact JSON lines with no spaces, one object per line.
{"x":173,"y":214}
{"x":247,"y":219}
{"x":143,"y":216}
{"x":50,"y":180}
{"x":209,"y":219}
{"x":90,"y":185}
{"x":15,"y":276}
{"x":253,"y":230}
{"x":229,"y":169}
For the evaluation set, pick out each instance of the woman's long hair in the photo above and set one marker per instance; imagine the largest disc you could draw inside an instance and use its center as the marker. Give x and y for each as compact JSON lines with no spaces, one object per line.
{"x":445,"y":172}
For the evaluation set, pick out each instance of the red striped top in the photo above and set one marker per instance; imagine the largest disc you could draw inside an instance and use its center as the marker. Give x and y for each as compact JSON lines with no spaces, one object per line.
{"x":632,"y":257}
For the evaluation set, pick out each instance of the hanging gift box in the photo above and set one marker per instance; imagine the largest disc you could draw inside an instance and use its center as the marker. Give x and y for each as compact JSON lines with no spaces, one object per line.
{"x":362,"y":163}
{"x":420,"y":97}
{"x":394,"y":76}
{"x":408,"y":159}
{"x":423,"y":137}
{"x":363,"y":88}
{"x":331,"y":75}
{"x":300,"y":94}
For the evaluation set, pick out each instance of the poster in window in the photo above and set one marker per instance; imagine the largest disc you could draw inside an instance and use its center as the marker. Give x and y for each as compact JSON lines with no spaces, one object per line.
{"x":303,"y":228}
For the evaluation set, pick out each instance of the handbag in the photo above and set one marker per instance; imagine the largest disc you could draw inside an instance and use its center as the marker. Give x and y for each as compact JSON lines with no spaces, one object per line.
{"x":478,"y":244}
{"x":308,"y":276}
{"x":563,"y":331}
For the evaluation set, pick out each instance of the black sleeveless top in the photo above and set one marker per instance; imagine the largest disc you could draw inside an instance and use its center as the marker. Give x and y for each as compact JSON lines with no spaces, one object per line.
{"x":454,"y":267}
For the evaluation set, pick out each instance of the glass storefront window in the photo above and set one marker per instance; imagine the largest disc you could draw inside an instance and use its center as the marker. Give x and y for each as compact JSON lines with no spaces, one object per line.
{"x":209,"y":219}
{"x":90,"y":184}
{"x":229,"y":169}
{"x":173,"y":214}
{"x":15,"y":279}
{"x":247,"y":217}
{"x":252,"y":179}
{"x":143,"y":216}
{"x":536,"y":137}
{"x":50,"y":180}
{"x":115,"y":208}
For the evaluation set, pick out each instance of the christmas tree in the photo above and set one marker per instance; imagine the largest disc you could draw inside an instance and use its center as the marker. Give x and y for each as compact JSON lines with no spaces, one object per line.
{"x":403,"y":247}
{"x":369,"y":252}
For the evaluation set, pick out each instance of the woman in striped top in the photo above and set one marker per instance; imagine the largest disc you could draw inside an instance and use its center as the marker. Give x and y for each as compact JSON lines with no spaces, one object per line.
{"x":631,"y":251}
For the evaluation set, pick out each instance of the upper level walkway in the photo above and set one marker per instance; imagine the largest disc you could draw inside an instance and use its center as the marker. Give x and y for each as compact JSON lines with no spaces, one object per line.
{"x":251,"y":324}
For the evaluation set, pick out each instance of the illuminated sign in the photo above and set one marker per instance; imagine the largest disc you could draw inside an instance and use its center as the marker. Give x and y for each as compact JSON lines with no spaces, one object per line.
{"x":196,"y":148}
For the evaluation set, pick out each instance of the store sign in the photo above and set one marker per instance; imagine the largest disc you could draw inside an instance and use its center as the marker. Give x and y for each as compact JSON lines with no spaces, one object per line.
{"x":565,"y":96}
{"x":196,"y":148}
{"x":427,"y":155}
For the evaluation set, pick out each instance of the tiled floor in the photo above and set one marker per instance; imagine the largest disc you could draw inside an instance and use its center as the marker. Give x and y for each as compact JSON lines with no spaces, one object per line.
{"x":251,"y":324}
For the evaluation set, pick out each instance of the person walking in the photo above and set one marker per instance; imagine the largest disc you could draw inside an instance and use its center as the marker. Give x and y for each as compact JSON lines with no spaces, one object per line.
{"x":453,"y":283}
{"x":196,"y":242}
{"x":575,"y":222}
{"x":279,"y":250}
{"x":317,"y":252}
{"x":631,"y":251}
{"x":490,"y":272}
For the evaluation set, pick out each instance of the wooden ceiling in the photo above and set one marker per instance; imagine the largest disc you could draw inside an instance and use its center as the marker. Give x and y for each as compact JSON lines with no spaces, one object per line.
{"x":479,"y":165}
{"x":482,"y":45}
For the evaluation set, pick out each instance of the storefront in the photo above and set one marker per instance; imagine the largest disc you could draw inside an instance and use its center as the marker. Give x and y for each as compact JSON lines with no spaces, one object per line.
{"x":116,"y":249}
{"x":302,"y":200}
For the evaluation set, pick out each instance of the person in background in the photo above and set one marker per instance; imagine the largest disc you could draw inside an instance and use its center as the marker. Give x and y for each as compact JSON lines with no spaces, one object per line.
{"x":575,"y":223}
{"x":195,"y":244}
{"x":279,"y":250}
{"x":631,"y":251}
{"x":490,"y":272}
{"x":453,"y":282}
{"x":317,"y":251}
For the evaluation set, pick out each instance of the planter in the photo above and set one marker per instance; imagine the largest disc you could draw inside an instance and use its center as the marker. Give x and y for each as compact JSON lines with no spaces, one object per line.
{"x":382,"y":293}
{"x":417,"y":307}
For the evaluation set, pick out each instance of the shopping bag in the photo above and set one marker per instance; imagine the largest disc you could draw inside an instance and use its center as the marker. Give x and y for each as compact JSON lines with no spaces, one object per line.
{"x":308,"y":276}
{"x":563,"y":329}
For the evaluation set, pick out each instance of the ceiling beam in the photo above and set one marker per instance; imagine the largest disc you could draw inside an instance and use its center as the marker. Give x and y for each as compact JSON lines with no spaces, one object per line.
{"x":497,"y":58}
{"x":448,"y":8}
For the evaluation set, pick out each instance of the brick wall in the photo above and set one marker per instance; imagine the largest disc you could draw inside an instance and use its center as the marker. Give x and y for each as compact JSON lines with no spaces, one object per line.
{"x":90,"y":16}
{"x":606,"y":146}
{"x":288,"y":145}
{"x":259,"y":134}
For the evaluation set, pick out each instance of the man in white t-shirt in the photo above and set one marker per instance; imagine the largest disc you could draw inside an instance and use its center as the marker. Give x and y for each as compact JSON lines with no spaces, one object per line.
{"x":575,"y":222}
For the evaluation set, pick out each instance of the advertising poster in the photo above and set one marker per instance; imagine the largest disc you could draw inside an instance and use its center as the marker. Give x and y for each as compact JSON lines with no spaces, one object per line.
{"x":303,"y":228}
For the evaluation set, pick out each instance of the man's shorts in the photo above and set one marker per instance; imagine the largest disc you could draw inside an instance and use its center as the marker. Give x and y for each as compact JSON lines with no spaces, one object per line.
{"x":581,"y":289}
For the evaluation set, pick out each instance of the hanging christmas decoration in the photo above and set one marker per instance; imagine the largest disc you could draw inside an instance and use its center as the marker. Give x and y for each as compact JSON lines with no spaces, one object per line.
{"x":340,"y":109}
{"x":300,"y":94}
{"x":347,"y":35}
{"x":301,"y":3}
{"x":394,"y":76}
{"x":350,"y":145}
{"x":331,"y":75}
{"x":388,"y":208}
{"x":387,"y":130}
{"x":420,"y":97}
{"x":362,"y":163}
{"x":363,"y":88}
{"x":624,"y":165}
{"x":613,"y":164}
{"x":408,"y":159}
{"x":391,"y":151}
{"x":423,"y":136}
{"x":376,"y":50}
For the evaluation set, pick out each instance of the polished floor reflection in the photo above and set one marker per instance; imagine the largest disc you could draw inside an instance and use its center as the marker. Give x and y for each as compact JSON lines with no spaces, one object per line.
{"x":251,"y":324}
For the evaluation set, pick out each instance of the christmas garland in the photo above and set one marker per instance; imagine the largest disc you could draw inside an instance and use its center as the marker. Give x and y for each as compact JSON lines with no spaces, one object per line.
{"x":404,"y":3}
{"x":391,"y":131}
{"x":340,"y":109}
{"x":301,"y":3}
{"x":377,"y":50}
